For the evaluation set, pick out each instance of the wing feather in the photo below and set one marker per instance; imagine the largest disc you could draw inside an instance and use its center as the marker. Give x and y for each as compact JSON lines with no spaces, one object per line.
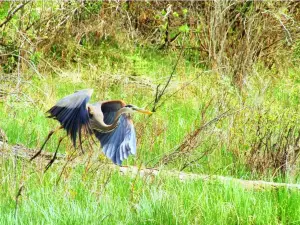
{"x":72,"y":113}
{"x":120,"y":143}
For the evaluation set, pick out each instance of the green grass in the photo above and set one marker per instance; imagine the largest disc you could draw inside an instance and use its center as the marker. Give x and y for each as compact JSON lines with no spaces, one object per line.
{"x":122,"y":73}
{"x":25,"y":120}
{"x":84,"y":199}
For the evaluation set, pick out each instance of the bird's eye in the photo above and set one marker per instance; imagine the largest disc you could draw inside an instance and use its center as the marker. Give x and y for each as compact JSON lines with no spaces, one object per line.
{"x":129,"y":106}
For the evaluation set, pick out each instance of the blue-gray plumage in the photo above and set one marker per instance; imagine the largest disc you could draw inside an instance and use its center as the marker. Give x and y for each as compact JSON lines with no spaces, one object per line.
{"x":108,"y":120}
{"x":119,"y":143}
{"x":71,"y":112}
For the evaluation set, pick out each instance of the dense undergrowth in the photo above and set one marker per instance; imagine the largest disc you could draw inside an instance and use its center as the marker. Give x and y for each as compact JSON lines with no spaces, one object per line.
{"x":210,"y":120}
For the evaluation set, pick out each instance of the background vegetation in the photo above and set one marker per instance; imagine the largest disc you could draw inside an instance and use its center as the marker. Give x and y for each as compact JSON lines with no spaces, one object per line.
{"x":230,"y":107}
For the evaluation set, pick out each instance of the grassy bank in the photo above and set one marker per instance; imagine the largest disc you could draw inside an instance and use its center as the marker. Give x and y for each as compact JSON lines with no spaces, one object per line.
{"x":225,"y":146}
{"x":104,"y":197}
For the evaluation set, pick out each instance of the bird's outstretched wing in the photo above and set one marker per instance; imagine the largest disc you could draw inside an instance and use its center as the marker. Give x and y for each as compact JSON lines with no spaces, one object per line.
{"x":118,"y":144}
{"x":72,"y":113}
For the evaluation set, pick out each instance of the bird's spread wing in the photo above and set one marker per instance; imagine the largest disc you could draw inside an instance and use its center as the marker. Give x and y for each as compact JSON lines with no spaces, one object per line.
{"x":72,"y":113}
{"x":121,"y":142}
{"x":118,"y":144}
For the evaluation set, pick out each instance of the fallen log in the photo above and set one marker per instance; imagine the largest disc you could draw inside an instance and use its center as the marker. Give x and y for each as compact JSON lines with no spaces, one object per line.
{"x":25,"y":153}
{"x":21,"y":151}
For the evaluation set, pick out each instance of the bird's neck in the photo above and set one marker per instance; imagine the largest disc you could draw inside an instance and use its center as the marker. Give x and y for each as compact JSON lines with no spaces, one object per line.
{"x":116,"y":120}
{"x":111,"y":127}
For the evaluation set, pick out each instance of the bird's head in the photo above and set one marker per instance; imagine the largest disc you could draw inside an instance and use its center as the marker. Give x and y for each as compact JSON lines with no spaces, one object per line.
{"x":133,"y":109}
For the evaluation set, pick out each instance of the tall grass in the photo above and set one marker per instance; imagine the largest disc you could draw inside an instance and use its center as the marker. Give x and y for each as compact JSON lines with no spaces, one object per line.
{"x":223,"y":147}
{"x":110,"y":198}
{"x":225,"y":144}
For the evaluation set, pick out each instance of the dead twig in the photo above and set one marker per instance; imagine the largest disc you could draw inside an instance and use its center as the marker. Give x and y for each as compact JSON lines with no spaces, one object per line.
{"x":17,"y":199}
{"x":187,"y":144}
{"x":13,"y":12}
{"x":159,"y":93}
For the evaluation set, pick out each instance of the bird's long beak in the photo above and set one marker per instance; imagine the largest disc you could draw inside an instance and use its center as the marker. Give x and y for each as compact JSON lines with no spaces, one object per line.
{"x":143,"y":111}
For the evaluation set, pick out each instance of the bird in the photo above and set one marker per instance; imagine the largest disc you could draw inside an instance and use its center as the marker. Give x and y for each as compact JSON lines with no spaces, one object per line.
{"x":110,"y":121}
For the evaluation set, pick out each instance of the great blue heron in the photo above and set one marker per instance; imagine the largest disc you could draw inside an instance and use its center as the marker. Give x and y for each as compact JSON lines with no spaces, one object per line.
{"x":108,"y":120}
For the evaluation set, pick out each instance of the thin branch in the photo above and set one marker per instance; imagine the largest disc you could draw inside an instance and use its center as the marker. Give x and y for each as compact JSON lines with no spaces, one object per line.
{"x":159,"y":94}
{"x":11,"y":14}
{"x":17,"y":199}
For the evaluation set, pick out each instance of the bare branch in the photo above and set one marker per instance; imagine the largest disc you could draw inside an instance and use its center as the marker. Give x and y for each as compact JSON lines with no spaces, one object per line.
{"x":159,"y":94}
{"x":13,"y":12}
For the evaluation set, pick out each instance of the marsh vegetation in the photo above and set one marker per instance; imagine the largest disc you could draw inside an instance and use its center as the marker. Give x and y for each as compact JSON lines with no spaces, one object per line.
{"x":227,"y":77}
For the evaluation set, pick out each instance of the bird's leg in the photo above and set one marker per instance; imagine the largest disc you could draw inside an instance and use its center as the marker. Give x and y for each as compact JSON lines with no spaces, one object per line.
{"x":54,"y":156}
{"x":48,"y":137}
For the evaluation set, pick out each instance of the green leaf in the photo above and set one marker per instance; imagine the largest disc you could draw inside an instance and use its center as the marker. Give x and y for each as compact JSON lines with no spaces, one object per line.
{"x":184,"y":11}
{"x":184,"y":28}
